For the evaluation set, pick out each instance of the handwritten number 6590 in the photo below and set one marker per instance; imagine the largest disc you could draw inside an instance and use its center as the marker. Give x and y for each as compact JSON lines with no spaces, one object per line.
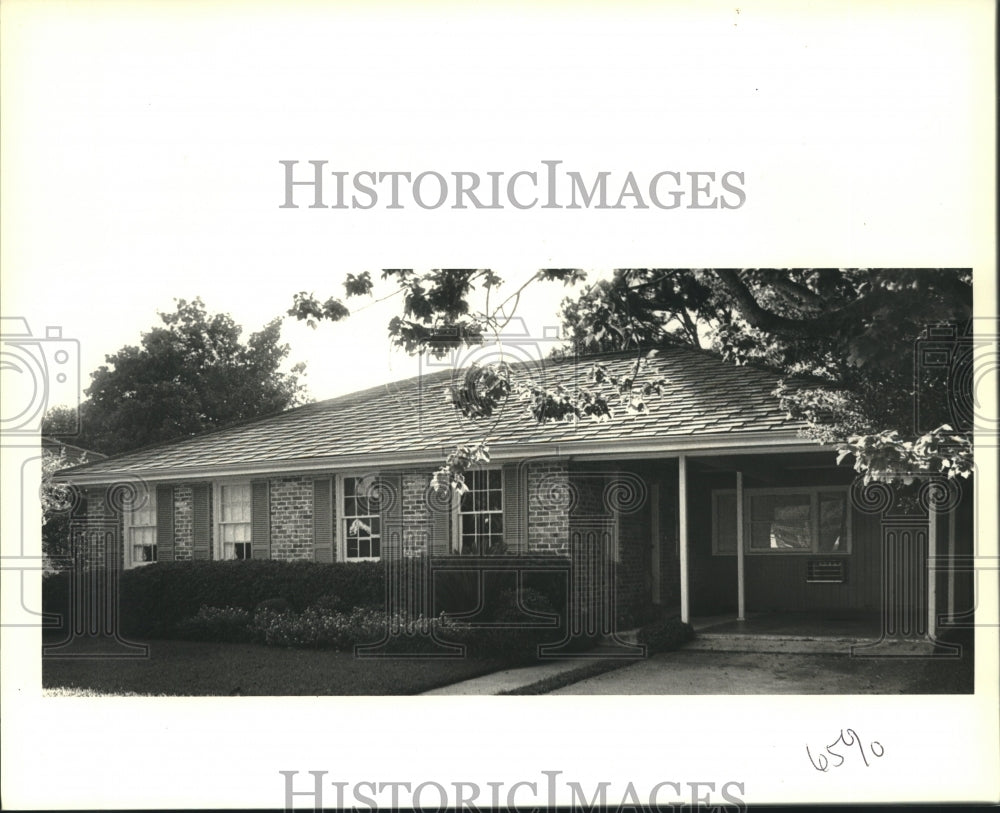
{"x":848,"y":738}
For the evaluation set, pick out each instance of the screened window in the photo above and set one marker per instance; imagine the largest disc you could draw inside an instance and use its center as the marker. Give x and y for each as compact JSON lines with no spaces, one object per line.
{"x":362,"y":520}
{"x":783,"y":520}
{"x":480,"y":514}
{"x":234,"y":521}
{"x":141,"y":532}
{"x":832,"y":523}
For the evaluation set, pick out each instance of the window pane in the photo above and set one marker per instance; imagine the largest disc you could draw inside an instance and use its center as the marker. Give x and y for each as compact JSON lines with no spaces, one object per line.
{"x":780,"y":522}
{"x":832,"y":523}
{"x":468,"y":523}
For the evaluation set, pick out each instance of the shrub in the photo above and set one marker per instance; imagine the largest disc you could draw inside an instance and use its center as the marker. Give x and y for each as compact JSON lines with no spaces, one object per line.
{"x":155,"y":598}
{"x":319,"y":628}
{"x":55,"y":594}
{"x":224,"y":624}
{"x":665,"y":634}
{"x":511,"y":636}
{"x":275,"y":605}
{"x":330,"y":602}
{"x":459,"y":591}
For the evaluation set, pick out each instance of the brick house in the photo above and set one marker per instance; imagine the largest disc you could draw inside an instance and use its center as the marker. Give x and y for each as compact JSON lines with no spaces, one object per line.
{"x":710,"y":501}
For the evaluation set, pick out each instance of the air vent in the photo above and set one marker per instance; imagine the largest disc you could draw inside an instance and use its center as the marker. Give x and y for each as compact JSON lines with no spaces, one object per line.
{"x":826,"y":571}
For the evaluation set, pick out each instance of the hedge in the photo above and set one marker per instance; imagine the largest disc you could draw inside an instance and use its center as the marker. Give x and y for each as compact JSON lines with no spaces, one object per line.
{"x":155,"y":598}
{"x":665,"y":635}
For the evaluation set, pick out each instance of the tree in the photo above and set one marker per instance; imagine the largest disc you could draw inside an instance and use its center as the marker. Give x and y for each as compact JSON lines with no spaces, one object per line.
{"x":844,"y":342}
{"x":191,"y":374}
{"x":56,"y":501}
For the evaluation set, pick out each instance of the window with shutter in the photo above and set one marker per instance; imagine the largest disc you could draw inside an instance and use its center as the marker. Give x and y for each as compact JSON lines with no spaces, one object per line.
{"x":201,"y":522}
{"x":323,"y":520}
{"x":164,"y":523}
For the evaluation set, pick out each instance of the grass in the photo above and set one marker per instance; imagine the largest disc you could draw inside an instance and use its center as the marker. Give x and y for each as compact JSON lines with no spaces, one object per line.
{"x":199,"y":668}
{"x":568,"y":678}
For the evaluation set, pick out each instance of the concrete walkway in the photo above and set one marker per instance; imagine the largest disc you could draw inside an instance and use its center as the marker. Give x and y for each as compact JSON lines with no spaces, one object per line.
{"x":689,"y":672}
{"x":509,"y":679}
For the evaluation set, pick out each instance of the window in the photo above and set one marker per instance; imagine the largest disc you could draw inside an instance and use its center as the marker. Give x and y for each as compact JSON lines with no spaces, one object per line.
{"x":479,"y":525}
{"x":140,"y":532}
{"x":361,"y":519}
{"x":782,"y":520}
{"x":234,"y":521}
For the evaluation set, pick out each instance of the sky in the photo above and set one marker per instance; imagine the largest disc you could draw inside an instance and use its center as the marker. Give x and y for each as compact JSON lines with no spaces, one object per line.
{"x":142,"y":144}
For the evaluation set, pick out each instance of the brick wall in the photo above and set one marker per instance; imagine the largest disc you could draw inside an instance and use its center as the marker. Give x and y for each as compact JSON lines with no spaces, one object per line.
{"x":549,"y":500}
{"x":183,"y":523}
{"x":291,"y":518}
{"x":96,"y":528}
{"x":418,"y":502}
{"x":616,"y":499}
{"x":634,"y":562}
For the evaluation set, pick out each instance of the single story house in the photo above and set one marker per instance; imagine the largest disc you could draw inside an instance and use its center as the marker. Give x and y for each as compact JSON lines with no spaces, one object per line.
{"x":713,"y":501}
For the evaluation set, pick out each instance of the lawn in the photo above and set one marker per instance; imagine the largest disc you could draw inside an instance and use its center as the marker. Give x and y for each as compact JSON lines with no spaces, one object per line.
{"x":199,"y":668}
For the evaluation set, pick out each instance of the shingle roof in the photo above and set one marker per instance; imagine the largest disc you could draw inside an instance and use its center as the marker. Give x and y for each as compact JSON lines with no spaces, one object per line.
{"x":703,"y":397}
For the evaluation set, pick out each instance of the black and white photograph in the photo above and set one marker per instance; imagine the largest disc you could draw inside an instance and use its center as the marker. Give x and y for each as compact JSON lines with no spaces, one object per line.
{"x":482,"y":407}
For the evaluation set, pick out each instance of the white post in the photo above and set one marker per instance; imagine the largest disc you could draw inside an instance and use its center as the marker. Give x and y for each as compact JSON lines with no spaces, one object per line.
{"x":951,"y":564}
{"x":740,"y":573}
{"x":682,"y":514}
{"x":932,"y":516}
{"x":654,"y":531}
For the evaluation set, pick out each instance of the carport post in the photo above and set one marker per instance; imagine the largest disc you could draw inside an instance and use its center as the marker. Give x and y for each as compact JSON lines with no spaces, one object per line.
{"x":740,"y":573}
{"x":932,"y":523}
{"x":682,"y":521}
{"x":951,"y":565}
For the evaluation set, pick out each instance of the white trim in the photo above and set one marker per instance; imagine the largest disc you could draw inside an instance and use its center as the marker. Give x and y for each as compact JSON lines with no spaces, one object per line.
{"x":951,"y":565}
{"x":682,"y":509}
{"x":741,"y":595}
{"x":814,"y":493}
{"x":932,"y":535}
{"x":654,"y":532}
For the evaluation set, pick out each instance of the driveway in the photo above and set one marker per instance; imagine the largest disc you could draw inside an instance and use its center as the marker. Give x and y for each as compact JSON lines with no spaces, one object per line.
{"x":701,"y":672}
